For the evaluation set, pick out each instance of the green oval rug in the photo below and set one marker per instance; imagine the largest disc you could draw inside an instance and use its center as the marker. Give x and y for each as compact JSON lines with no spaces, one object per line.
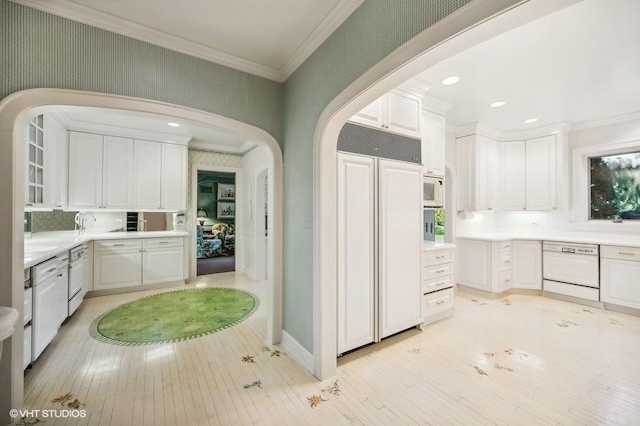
{"x":173,"y":316}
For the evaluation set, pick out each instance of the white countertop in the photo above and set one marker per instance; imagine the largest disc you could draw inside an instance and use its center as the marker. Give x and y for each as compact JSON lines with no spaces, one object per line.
{"x":604,"y":238}
{"x":45,"y":245}
{"x":432,"y":245}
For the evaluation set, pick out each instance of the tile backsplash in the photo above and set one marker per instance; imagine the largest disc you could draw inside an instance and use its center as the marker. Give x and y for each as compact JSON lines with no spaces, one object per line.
{"x":56,"y":220}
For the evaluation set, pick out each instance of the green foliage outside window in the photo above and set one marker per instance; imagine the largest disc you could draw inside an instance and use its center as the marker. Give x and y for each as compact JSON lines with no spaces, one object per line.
{"x":615,"y":186}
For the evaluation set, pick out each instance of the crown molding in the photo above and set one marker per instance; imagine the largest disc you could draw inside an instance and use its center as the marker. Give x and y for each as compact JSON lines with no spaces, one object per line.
{"x":321,"y":32}
{"x":214,"y":147}
{"x":125,"y":132}
{"x":435,"y":105}
{"x":503,"y":136}
{"x":96,"y":18}
{"x":634,"y":116}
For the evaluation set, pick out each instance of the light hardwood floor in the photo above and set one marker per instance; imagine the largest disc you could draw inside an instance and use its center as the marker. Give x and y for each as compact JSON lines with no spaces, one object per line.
{"x":535,"y":361}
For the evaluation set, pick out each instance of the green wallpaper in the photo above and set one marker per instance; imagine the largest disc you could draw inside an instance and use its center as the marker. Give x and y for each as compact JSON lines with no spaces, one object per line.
{"x":375,"y":30}
{"x":42,"y":50}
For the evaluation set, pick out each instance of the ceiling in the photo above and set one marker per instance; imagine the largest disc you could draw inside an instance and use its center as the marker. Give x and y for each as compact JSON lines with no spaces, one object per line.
{"x":268,"y":38}
{"x":578,"y":65}
{"x":151,"y":126}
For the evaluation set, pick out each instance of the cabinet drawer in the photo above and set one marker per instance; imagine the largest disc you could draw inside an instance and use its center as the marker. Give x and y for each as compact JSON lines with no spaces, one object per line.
{"x":437,"y":302}
{"x":505,"y":246}
{"x":505,"y":261}
{"x":109,"y":245}
{"x":162,"y":242}
{"x":436,"y":284}
{"x":437,"y":257}
{"x":437,"y":271}
{"x":622,"y":253}
{"x":505,"y":280}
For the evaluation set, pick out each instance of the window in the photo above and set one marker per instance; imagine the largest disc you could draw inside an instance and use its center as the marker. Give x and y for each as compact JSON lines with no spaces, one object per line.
{"x":615,"y":186}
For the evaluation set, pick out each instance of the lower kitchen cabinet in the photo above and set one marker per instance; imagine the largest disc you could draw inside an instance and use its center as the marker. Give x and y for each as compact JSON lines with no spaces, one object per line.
{"x":137,"y":262}
{"x":437,"y":284}
{"x":527,"y":264}
{"x":485,"y":265}
{"x":620,"y":276}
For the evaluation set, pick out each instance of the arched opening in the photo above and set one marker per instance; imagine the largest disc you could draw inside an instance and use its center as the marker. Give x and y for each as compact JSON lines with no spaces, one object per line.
{"x":466,"y":28}
{"x":14,"y":112}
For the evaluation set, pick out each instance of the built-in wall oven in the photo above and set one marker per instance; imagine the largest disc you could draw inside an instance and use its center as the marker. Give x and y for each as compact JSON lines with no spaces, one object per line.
{"x":571,"y":269}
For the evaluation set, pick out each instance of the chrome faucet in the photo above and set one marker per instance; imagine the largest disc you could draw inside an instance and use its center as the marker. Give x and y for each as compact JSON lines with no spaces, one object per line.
{"x":81,"y":219}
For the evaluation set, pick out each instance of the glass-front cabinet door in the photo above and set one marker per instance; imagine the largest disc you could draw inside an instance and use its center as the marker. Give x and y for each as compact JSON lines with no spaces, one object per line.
{"x":35,"y":162}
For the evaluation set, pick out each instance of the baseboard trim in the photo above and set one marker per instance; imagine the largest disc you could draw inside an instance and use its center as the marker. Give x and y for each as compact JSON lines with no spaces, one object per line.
{"x":171,"y":284}
{"x":250,"y":273}
{"x":299,"y":354}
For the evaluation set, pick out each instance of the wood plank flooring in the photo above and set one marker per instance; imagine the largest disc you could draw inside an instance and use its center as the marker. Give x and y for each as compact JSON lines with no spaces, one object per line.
{"x":535,"y":361}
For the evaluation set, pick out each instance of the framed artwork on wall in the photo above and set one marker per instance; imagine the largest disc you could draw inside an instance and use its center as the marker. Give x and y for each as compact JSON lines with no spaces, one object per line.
{"x":226,"y":191}
{"x":226,"y":210}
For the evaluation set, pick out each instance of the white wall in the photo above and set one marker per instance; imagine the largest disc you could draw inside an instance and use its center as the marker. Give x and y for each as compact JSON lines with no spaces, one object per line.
{"x":253,"y":163}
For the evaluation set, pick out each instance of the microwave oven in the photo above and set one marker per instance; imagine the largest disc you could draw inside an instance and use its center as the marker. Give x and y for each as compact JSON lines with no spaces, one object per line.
{"x":432,"y":191}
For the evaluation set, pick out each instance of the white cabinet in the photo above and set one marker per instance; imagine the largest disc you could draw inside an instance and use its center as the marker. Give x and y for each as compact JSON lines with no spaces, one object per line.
{"x":433,"y":143}
{"x":477,"y":161}
{"x":162,"y":260}
{"x":541,"y":173}
{"x":147,"y":163}
{"x":62,"y":294}
{"x":46,"y":295}
{"x":35,"y":163}
{"x":117,"y":264}
{"x":356,"y":251}
{"x":85,"y":171}
{"x":513,"y":187}
{"x":620,"y":276}
{"x":485,"y":265}
{"x":87,"y":268}
{"x":174,"y":177}
{"x":137,"y":262}
{"x":437,"y":284}
{"x":396,"y":111}
{"x":117,"y":174}
{"x":108,"y":172}
{"x":527,"y":264}
{"x":400,"y":225}
{"x":379,"y":217}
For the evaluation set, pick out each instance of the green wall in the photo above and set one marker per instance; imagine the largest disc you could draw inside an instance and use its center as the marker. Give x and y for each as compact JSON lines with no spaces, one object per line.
{"x":371,"y":33}
{"x":41,"y":50}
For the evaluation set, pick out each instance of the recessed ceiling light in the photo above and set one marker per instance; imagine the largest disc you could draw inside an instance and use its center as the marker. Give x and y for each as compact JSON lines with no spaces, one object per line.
{"x":172,"y":124}
{"x":530,"y":120}
{"x":497,"y":104}
{"x":450,"y":80}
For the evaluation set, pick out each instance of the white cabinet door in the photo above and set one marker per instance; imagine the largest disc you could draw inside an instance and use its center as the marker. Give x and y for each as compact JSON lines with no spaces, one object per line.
{"x":161,"y":265}
{"x":527,"y":264}
{"x":44,"y":322}
{"x":482,"y":174}
{"x":474,"y":260}
{"x":62,"y":296}
{"x":400,"y":246}
{"x":541,"y":173}
{"x":87,"y":267}
{"x":512,"y":158}
{"x":116,"y":269}
{"x":85,"y":171}
{"x":465,"y":167}
{"x":117,"y":172}
{"x":147,"y":163}
{"x":433,"y":143}
{"x":371,"y":115}
{"x":56,"y":183}
{"x":174,"y":177}
{"x":620,"y":282}
{"x":403,"y":114}
{"x":493,"y":197}
{"x":356,"y":250}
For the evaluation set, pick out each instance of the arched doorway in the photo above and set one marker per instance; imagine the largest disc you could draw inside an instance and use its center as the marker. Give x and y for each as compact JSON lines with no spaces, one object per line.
{"x":14,"y":111}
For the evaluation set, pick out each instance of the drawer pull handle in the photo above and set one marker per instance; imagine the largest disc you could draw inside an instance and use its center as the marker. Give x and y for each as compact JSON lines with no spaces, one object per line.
{"x":507,"y":261}
{"x":163,"y":242}
{"x":440,"y":257}
{"x":626,"y":254}
{"x":439,"y":302}
{"x":507,"y":281}
{"x":439,"y":271}
{"x":52,"y":269}
{"x":118,"y":245}
{"x":60,"y":275}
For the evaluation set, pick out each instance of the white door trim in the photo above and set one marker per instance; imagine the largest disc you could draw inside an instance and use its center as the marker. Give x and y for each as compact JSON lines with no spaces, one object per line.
{"x":472,"y":24}
{"x":14,"y":112}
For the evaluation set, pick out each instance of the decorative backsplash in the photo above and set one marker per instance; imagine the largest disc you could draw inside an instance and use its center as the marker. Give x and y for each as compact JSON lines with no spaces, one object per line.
{"x":56,"y":220}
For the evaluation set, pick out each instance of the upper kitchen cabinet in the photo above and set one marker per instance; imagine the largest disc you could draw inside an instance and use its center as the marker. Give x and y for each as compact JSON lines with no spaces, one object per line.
{"x":117,"y":173}
{"x":396,"y":112}
{"x":433,"y":129}
{"x":512,"y":184}
{"x":477,"y":161}
{"x":46,"y":164}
